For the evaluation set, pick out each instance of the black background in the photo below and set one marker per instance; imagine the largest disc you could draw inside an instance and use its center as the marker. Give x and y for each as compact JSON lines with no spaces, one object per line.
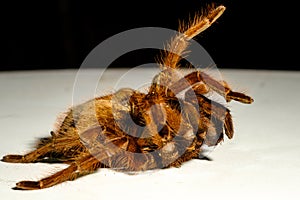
{"x":51,"y":34}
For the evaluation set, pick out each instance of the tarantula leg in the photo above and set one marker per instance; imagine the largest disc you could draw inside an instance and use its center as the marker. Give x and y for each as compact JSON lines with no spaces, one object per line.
{"x":84,"y":166}
{"x":13,"y":158}
{"x":61,"y":149}
{"x":221,"y":88}
{"x":180,"y":43}
{"x":218,"y":114}
{"x":228,"y":125}
{"x":27,"y":158}
{"x":54,"y":179}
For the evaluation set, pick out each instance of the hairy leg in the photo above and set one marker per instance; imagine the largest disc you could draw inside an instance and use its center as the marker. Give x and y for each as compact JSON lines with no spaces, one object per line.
{"x":117,"y":153}
{"x":214,"y":114}
{"x":178,"y":45}
{"x":221,"y":88}
{"x":60,"y":149}
{"x":81,"y":167}
{"x":29,"y":157}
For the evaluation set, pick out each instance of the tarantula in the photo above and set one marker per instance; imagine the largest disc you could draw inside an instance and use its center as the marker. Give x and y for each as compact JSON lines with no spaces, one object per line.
{"x":132,"y":131}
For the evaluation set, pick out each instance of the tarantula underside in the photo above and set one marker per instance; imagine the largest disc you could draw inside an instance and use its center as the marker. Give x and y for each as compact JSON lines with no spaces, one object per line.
{"x":134,"y":131}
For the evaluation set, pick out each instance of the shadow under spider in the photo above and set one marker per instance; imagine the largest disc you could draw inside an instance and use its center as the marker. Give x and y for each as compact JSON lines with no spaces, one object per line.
{"x":205,"y":158}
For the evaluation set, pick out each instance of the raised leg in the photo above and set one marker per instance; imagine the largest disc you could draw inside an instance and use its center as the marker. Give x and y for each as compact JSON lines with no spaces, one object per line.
{"x":221,"y":88}
{"x":179,"y":44}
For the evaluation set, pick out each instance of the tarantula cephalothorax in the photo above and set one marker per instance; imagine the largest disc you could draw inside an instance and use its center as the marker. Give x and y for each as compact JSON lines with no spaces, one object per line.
{"x":134,"y":131}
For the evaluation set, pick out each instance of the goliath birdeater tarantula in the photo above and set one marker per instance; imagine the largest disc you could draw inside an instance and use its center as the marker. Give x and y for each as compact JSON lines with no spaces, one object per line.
{"x":133,"y":131}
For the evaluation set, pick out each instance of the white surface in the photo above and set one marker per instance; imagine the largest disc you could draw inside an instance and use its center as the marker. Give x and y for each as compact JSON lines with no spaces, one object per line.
{"x":261,"y":162}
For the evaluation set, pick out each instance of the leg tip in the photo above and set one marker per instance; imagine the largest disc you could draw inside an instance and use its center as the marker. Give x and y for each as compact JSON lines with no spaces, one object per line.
{"x":28,"y":185}
{"x":13,"y":158}
{"x":240,"y":97}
